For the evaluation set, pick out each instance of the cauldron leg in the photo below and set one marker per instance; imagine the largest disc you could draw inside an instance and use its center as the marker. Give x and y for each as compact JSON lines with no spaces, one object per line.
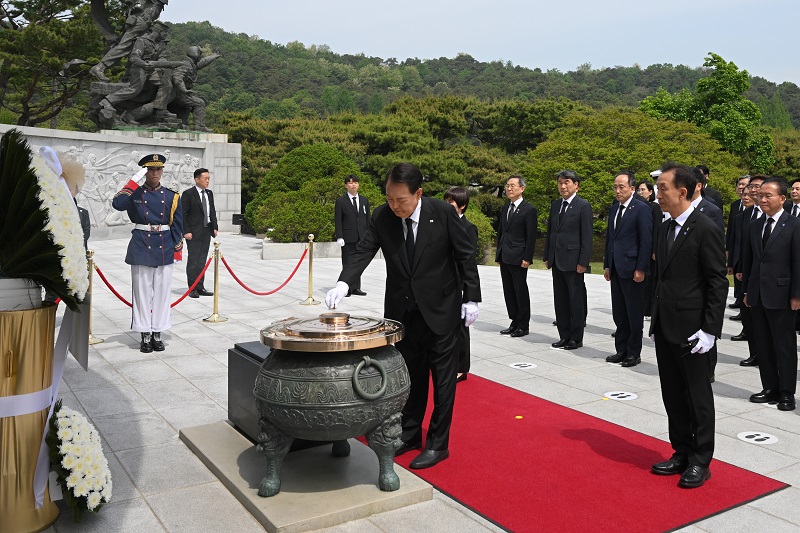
{"x":384,"y":440}
{"x":274,"y":444}
{"x":341,"y":448}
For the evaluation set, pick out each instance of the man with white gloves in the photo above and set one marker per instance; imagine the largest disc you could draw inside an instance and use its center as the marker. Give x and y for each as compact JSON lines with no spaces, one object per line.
{"x":350,"y":221}
{"x":688,"y":308}
{"x":427,"y":250}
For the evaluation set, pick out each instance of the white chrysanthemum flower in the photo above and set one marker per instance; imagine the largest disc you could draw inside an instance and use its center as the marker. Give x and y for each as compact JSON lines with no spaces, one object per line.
{"x":69,"y":461}
{"x":106,"y":492}
{"x":93,"y":500}
{"x":73,"y":479}
{"x":82,"y":488}
{"x":65,"y":434}
{"x":63,"y":423}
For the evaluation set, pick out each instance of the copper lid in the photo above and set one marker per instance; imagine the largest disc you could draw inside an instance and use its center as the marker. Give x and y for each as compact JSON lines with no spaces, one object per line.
{"x":331,"y":332}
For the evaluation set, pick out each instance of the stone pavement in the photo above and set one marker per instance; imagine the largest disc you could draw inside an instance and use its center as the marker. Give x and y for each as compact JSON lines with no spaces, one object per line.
{"x":139,"y":402}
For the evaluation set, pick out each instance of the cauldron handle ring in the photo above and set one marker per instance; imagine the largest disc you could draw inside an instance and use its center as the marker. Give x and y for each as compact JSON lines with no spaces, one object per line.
{"x":366,"y":361}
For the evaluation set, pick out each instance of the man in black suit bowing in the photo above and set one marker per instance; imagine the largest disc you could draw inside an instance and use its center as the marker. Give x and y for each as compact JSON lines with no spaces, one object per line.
{"x":431,"y":284}
{"x":516,"y":242}
{"x":350,"y":221}
{"x":629,"y":244}
{"x":199,"y":225}
{"x":689,"y":303}
{"x":771,"y":284}
{"x":567,"y":250}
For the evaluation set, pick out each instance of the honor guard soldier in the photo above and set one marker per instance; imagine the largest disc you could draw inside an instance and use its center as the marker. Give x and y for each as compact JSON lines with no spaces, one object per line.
{"x":156,"y":244}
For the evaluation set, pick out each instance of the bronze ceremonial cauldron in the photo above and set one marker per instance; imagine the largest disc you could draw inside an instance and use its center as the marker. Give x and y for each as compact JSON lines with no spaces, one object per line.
{"x":331,"y":379}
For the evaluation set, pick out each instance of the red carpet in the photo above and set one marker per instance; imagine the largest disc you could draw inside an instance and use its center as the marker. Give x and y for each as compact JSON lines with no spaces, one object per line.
{"x":555,"y":469}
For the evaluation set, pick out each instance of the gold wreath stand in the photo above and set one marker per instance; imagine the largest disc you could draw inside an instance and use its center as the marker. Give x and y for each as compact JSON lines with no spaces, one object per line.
{"x":26,"y":365}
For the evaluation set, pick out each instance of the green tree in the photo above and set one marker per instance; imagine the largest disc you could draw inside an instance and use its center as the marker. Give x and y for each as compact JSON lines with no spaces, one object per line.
{"x":774,"y":112}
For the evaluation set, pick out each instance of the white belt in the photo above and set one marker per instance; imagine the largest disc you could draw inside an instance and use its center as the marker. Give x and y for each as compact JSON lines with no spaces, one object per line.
{"x":151,"y":227}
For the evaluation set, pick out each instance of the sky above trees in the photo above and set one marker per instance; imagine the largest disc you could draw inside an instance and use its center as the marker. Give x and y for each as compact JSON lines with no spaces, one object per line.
{"x":757,"y":35}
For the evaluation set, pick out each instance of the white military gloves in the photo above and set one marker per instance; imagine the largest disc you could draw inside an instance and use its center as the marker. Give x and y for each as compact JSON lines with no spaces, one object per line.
{"x":704,"y":341}
{"x":469,"y":312}
{"x":336,"y":294}
{"x":139,"y":176}
{"x":340,"y":242}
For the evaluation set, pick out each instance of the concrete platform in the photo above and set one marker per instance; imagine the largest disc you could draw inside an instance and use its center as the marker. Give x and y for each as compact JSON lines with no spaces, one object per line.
{"x":317,"y":490}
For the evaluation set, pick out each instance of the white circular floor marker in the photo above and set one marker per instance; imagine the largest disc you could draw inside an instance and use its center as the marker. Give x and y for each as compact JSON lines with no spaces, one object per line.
{"x":522,"y":365}
{"x":757,"y":437}
{"x":621,"y":395}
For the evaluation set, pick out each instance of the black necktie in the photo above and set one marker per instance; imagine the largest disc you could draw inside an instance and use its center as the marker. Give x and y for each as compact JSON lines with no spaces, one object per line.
{"x":410,"y":241}
{"x":510,"y":210}
{"x":671,"y":225}
{"x":794,"y":210}
{"x":754,"y":215}
{"x":205,"y":208}
{"x":620,"y":209}
{"x":767,"y":231}
{"x":354,"y":203}
{"x":564,"y":205}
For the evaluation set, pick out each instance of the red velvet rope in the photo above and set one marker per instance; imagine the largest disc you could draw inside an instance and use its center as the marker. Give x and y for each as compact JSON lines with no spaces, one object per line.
{"x":112,"y":289}
{"x":185,"y":294}
{"x":282,"y":285}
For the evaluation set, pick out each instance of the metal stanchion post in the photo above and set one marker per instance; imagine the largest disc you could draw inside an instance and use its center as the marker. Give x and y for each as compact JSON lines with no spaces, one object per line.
{"x":90,"y":257}
{"x":215,"y":316}
{"x":310,"y":300}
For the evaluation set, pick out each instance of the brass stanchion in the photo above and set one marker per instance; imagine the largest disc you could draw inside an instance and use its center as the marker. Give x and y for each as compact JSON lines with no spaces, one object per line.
{"x":310,"y":300}
{"x":215,"y":316}
{"x":90,"y":257}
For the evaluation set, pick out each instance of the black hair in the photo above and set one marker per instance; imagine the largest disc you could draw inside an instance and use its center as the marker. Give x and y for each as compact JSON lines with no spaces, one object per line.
{"x":631,"y":176}
{"x":350,"y":177}
{"x":406,"y":173}
{"x":459,"y":195}
{"x":780,"y":182}
{"x":199,"y":171}
{"x":685,"y":176}
{"x":569,"y":175}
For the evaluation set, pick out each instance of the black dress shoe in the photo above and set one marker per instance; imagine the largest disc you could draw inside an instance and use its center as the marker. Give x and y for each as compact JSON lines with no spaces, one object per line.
{"x":740,"y":337}
{"x":631,"y":361}
{"x":555,"y":322}
{"x":407,"y":447}
{"x":673,"y":465}
{"x":428,"y":458}
{"x":616,"y":358}
{"x":737,"y":318}
{"x":573,"y":345}
{"x":765,"y":396}
{"x":560,"y":344}
{"x":156,"y":343}
{"x":786,"y":402}
{"x":509,"y":330}
{"x":519,"y":333}
{"x":145,"y":346}
{"x":750,"y":361}
{"x":462,"y":377}
{"x":359,"y":292}
{"x":614,"y":334}
{"x":203,"y":292}
{"x":734,"y":305}
{"x":694,"y":477}
{"x":194,"y":294}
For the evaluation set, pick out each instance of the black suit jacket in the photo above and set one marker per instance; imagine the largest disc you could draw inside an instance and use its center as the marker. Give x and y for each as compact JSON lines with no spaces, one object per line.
{"x":569,"y":242}
{"x":628,"y":247}
{"x":193,"y":211}
{"x":349,"y":224}
{"x":735,"y":210}
{"x":444,"y":264}
{"x":713,"y":196}
{"x":771,"y":274}
{"x":714,"y":213}
{"x":690,"y":283}
{"x":516,"y":236}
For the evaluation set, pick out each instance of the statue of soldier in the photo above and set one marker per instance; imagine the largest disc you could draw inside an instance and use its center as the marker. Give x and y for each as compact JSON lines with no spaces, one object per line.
{"x":185,"y":100}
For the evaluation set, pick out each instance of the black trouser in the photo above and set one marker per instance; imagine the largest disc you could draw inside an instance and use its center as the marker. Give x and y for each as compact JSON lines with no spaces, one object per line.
{"x":568,"y":295}
{"x":688,"y":399}
{"x":627,"y":304}
{"x":515,"y":292}
{"x":428,"y":355}
{"x":777,"y":341}
{"x":463,"y":348}
{"x":196,"y":257}
{"x":348,"y":250}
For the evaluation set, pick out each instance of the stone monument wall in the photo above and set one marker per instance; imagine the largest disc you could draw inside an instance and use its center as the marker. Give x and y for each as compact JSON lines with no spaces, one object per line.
{"x":111,"y":157}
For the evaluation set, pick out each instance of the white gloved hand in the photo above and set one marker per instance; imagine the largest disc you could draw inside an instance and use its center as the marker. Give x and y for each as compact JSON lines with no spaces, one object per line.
{"x":653,"y":337}
{"x":139,"y":176}
{"x":705,"y":341}
{"x":469,"y":312}
{"x":340,"y":242}
{"x":336,"y":294}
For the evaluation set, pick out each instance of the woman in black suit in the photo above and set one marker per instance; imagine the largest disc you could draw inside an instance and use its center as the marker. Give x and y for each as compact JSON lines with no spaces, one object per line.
{"x":458,"y":197}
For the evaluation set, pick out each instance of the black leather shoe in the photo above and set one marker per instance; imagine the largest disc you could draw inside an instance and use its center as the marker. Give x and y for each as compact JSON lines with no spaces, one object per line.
{"x":203,"y":292}
{"x":616,"y":358}
{"x":734,"y":305}
{"x":519,"y":333}
{"x":359,"y":292}
{"x":614,"y":334}
{"x":156,"y":343}
{"x":572,"y":345}
{"x":673,"y":465}
{"x":428,"y":458}
{"x":560,"y":344}
{"x":631,"y":361}
{"x":194,"y":294}
{"x":740,"y":337}
{"x":737,"y":318}
{"x":462,"y":377}
{"x":765,"y":396}
{"x":750,"y":361}
{"x":509,"y":330}
{"x":145,"y":346}
{"x":555,"y":322}
{"x":407,"y":447}
{"x":694,"y":477}
{"x":786,"y":402}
